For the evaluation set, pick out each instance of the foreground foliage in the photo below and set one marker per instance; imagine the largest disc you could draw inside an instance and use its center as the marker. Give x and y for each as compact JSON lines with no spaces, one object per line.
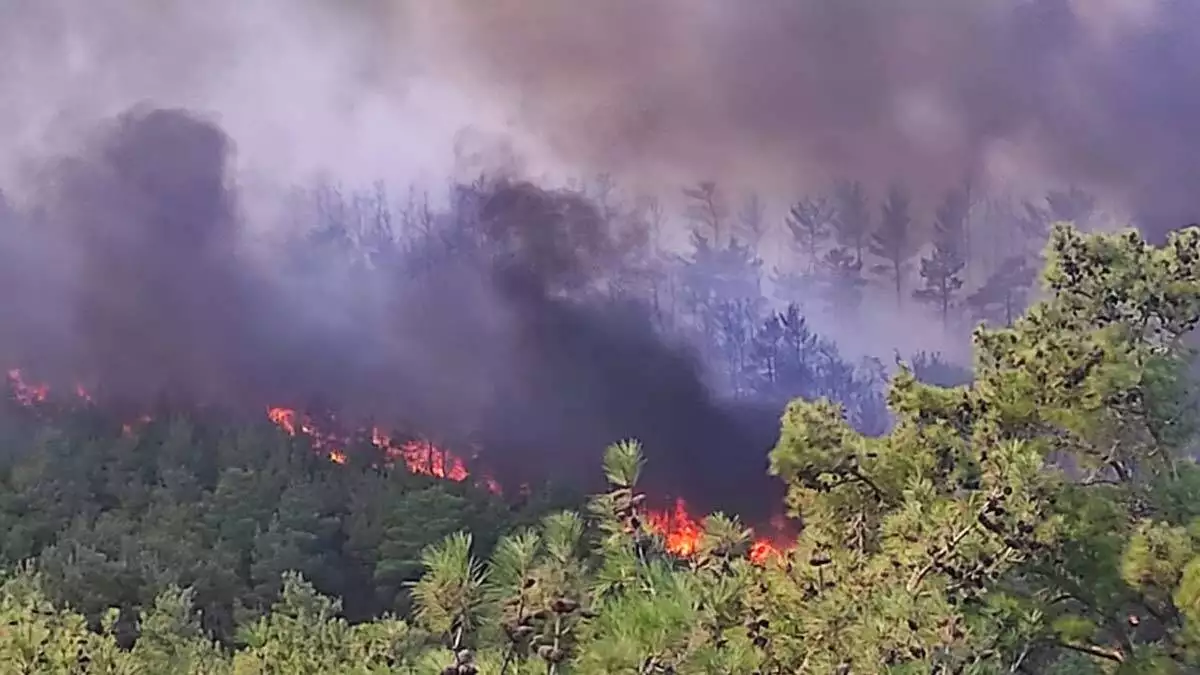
{"x":1041,"y":519}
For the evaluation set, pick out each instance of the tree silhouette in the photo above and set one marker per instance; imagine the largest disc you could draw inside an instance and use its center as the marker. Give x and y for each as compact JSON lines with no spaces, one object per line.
{"x":852,"y":219}
{"x":941,"y":270}
{"x":707,"y":211}
{"x":842,"y":282}
{"x":1004,"y":294}
{"x":810,"y":221}
{"x":892,"y":240}
{"x":752,"y":221}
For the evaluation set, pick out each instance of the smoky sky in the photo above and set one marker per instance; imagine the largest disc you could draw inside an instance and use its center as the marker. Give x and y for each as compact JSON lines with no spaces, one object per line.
{"x":1101,"y":93}
{"x":780,"y":95}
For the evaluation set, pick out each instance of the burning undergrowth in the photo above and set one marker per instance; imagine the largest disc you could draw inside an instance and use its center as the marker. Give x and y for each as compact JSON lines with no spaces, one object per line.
{"x":489,"y":333}
{"x":682,"y":531}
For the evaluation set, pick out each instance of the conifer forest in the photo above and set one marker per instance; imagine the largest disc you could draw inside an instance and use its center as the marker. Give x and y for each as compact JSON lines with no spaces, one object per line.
{"x":836,"y":339}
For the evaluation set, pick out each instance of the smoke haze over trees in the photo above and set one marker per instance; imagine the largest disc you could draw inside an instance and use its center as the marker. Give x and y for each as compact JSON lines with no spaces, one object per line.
{"x":747,"y":178}
{"x":516,"y":321}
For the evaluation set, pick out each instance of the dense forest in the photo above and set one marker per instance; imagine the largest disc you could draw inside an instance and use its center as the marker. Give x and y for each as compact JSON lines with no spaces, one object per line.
{"x":1033,"y":513}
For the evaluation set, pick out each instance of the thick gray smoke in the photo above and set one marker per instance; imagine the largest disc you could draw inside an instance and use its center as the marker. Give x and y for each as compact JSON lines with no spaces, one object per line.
{"x":482,"y":333}
{"x":779,"y":92}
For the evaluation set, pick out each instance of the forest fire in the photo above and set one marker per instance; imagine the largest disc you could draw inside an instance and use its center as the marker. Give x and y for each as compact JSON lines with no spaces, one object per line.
{"x":27,"y":394}
{"x":420,"y":457}
{"x":682,"y":532}
{"x":678,"y":528}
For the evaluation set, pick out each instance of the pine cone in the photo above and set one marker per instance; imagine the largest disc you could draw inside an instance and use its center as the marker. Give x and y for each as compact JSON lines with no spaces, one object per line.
{"x":564,"y":606}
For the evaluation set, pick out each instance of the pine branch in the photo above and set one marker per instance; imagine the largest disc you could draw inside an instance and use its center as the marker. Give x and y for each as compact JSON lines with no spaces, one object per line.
{"x":915,"y":581}
{"x":1107,"y":653}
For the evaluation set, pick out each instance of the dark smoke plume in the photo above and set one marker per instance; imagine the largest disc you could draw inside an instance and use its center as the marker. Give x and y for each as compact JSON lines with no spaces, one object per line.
{"x":929,"y":92}
{"x":487,"y":333}
{"x":160,"y":304}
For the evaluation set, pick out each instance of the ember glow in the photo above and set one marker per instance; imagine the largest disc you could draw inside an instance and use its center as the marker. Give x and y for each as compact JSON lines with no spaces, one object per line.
{"x":26,"y":393}
{"x":128,"y":428}
{"x":30,"y":393}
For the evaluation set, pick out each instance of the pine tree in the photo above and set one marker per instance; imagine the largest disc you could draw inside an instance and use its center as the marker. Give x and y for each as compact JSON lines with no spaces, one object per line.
{"x":810,"y":221}
{"x":716,"y":279}
{"x":852,"y":219}
{"x":1036,"y":518}
{"x":842,"y":281}
{"x":751,"y":220}
{"x":892,"y":240}
{"x":450,"y":598}
{"x":170,"y":638}
{"x":934,"y":368}
{"x":1004,"y":294}
{"x":1073,"y":205}
{"x":707,"y":210}
{"x":941,"y":270}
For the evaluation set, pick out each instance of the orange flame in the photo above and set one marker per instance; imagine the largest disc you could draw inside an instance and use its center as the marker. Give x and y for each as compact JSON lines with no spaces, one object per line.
{"x":30,"y":394}
{"x":762,"y":550}
{"x":283,"y":418}
{"x":419,"y":456}
{"x":683,"y":533}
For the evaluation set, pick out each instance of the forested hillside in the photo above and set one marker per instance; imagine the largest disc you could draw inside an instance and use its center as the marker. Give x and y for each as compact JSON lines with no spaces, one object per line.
{"x":1039,"y":519}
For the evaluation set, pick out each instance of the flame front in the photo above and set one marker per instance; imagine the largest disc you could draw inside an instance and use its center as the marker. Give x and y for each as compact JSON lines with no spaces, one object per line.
{"x":419,"y":456}
{"x":682,"y":532}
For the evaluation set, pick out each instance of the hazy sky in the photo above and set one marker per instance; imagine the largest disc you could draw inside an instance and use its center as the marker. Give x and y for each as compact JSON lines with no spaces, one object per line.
{"x":775,"y":92}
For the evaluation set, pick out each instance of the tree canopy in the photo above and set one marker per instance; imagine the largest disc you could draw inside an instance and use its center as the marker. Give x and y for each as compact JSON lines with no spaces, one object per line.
{"x":1041,"y":518}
